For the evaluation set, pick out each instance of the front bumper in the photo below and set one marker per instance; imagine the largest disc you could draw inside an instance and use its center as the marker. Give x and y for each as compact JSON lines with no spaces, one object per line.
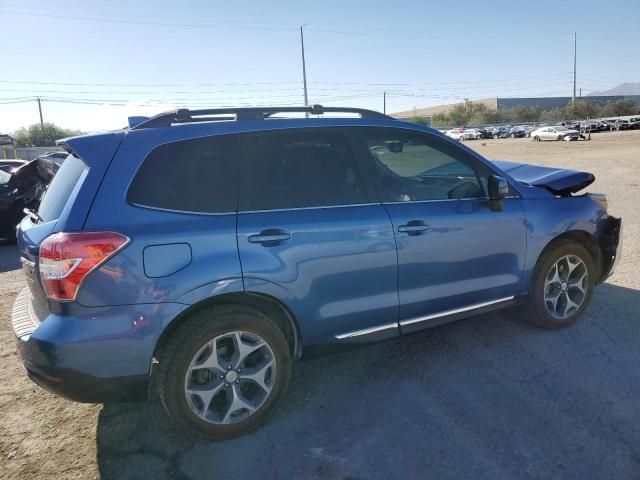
{"x":96,"y":355}
{"x":611,"y":247}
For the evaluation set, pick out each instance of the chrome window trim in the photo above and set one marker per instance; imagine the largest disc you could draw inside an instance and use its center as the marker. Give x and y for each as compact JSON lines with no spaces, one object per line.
{"x":240,"y":212}
{"x":446,"y":313}
{"x":190,"y":212}
{"x":366,"y":331}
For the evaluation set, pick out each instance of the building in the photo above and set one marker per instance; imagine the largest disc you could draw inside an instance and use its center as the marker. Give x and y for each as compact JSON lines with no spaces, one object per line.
{"x":496,"y":103}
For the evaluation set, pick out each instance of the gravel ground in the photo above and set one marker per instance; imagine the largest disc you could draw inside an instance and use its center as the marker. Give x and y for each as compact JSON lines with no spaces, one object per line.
{"x":488,"y":397}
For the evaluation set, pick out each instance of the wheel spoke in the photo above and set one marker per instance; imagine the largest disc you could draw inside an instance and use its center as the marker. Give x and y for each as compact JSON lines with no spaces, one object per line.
{"x":553,"y":299}
{"x":555,"y":278}
{"x":205,"y":394}
{"x":570,"y":304}
{"x":237,"y":402}
{"x":258,"y":376}
{"x":212,"y":361}
{"x":579,"y":283}
{"x":244,"y":349}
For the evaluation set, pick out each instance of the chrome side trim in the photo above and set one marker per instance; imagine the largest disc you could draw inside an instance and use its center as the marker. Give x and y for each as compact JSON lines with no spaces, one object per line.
{"x":446,"y":313}
{"x":366,"y":331}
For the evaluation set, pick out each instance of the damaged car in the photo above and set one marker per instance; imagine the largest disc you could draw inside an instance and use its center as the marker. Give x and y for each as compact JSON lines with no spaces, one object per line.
{"x":277,"y":238}
{"x":20,"y":189}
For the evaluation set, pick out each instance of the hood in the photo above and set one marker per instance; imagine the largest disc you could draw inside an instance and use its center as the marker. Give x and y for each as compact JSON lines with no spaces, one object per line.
{"x":559,"y":181}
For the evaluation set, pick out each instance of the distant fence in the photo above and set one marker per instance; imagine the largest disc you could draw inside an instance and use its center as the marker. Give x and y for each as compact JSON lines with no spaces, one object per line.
{"x":25,"y":153}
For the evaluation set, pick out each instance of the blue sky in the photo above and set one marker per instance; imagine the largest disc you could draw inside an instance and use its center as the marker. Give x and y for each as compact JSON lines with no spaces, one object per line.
{"x":142,"y":57}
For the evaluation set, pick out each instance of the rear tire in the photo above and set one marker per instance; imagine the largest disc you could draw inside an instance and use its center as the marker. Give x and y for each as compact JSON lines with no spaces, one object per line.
{"x":536,"y":138}
{"x":209,"y":353}
{"x":567,"y":261}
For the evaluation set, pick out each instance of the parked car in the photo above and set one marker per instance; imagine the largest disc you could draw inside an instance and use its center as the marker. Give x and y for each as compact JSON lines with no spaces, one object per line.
{"x":274,"y":239}
{"x":557,"y":132}
{"x":634,"y":123}
{"x":20,"y":188}
{"x":622,"y":124}
{"x":461,"y":134}
{"x":517,"y":132}
{"x":6,"y":139}
{"x":591,"y":126}
{"x":485,"y":133}
{"x":571,"y":125}
{"x":501,"y":132}
{"x":49,"y":163}
{"x":10,"y":165}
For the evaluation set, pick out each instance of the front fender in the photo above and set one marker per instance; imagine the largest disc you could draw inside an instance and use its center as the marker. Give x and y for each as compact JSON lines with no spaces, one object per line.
{"x":549,"y":218}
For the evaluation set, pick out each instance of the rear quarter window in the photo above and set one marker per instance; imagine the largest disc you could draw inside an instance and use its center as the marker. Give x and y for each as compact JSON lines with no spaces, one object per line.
{"x":60,"y":188}
{"x":198,"y":175}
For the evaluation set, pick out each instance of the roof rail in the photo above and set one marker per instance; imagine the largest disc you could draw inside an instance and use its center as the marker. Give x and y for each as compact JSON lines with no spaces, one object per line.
{"x":184,"y":115}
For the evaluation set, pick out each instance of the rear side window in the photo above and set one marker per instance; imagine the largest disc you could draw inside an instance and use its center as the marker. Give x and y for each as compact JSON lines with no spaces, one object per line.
{"x":60,"y":188}
{"x":297,"y":169}
{"x":198,"y":175}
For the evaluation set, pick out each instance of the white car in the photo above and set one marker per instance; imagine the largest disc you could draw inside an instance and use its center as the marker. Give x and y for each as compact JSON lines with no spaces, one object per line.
{"x":461,"y":134}
{"x":554,"y":133}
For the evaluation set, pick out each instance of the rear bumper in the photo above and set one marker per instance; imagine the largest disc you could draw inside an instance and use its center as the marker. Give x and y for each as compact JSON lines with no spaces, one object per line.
{"x":97,"y":355}
{"x":611,"y":247}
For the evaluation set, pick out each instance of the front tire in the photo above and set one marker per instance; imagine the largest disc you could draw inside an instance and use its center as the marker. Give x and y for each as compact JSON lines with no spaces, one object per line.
{"x":562,"y":285}
{"x":222,"y":372}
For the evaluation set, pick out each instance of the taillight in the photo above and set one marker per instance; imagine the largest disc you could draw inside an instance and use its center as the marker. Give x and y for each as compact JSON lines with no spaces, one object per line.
{"x":67,"y":258}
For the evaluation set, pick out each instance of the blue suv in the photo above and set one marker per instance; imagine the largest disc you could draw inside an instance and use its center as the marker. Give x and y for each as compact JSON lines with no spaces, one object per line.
{"x":211,"y":248}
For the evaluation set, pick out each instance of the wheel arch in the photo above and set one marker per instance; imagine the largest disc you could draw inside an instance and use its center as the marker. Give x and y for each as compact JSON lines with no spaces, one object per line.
{"x":269,"y":306}
{"x":581,"y":237}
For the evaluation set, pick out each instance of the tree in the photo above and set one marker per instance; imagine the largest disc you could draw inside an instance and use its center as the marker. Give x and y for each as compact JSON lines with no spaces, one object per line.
{"x":418,"y":120}
{"x":439,"y":119}
{"x":580,"y":109}
{"x":458,"y":115}
{"x":42,"y":136}
{"x":619,"y":108}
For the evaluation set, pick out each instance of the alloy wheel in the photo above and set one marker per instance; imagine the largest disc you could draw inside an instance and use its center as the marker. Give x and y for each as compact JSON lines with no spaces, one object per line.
{"x":230,"y":377}
{"x":566,"y":286}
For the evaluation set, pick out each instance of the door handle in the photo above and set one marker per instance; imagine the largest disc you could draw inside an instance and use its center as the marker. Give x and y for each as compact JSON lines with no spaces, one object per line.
{"x":414,"y":227}
{"x":271,"y":236}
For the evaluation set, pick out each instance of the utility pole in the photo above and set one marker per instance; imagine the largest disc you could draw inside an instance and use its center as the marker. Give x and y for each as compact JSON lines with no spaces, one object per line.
{"x":304,"y":71}
{"x":384,"y":102}
{"x":40,"y":110}
{"x":575,"y":44}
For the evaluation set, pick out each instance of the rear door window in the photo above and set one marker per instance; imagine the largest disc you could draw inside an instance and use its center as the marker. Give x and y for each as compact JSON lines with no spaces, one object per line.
{"x":299,"y":169}
{"x":198,"y":175}
{"x":60,"y":188}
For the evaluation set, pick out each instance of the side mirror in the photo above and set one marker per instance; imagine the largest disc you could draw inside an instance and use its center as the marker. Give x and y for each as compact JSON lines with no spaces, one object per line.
{"x":498,"y":189}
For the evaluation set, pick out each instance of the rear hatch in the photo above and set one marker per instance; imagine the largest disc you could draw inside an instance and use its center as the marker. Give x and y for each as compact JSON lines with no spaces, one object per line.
{"x":64,"y":205}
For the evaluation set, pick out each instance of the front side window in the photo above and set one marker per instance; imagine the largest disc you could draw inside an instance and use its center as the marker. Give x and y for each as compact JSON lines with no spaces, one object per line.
{"x":413,"y":167}
{"x":299,"y":169}
{"x":198,"y":175}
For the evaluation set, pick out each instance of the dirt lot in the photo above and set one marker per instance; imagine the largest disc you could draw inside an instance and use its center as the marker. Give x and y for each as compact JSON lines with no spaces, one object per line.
{"x":487,"y":397}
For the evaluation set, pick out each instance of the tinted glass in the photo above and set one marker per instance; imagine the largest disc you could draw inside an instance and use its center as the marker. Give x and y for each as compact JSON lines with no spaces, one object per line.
{"x":60,"y":188}
{"x":413,"y":167}
{"x":299,"y":169}
{"x":198,"y":175}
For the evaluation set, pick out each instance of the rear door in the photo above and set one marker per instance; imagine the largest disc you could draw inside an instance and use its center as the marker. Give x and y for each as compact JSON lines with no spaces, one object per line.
{"x":309,"y":235}
{"x":455,"y":254}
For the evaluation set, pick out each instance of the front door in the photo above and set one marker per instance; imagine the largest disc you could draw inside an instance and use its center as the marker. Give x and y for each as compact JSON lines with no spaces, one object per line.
{"x":455,"y":254}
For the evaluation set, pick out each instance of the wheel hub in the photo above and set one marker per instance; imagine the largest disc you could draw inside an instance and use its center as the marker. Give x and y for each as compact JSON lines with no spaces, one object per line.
{"x":566,"y":286}
{"x":230,"y":377}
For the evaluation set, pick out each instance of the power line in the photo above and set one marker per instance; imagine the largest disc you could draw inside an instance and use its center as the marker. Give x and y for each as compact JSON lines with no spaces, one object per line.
{"x":149,"y":22}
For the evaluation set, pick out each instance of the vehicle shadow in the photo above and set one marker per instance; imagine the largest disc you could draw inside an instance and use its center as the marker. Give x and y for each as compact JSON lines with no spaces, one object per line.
{"x":9,"y":258}
{"x":488,"y":397}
